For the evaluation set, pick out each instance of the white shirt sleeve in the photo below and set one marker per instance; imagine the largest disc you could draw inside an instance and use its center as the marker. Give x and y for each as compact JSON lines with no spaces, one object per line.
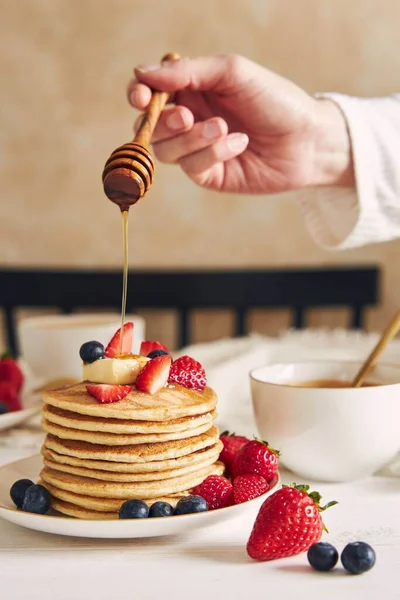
{"x":338,"y":218}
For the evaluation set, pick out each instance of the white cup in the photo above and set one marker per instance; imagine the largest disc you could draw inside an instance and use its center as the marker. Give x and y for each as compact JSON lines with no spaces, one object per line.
{"x":50,"y":344}
{"x":328,"y":434}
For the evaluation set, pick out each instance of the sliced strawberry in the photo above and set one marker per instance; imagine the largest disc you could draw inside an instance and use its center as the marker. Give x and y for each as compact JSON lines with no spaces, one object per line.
{"x":11,"y":371}
{"x":106,"y":393}
{"x":9,"y":396}
{"x":189,"y":373}
{"x":154,"y":374}
{"x":148,"y":346}
{"x":113,"y":348}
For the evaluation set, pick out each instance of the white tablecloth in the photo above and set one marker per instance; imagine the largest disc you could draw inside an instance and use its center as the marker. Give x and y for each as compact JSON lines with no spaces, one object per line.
{"x":210,"y":564}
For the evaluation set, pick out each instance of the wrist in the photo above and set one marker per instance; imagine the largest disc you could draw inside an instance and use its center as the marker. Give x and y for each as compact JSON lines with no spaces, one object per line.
{"x":333,"y":160}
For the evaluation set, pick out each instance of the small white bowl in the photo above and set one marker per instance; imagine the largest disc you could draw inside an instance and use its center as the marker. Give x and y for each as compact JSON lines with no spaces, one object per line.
{"x":328,"y":434}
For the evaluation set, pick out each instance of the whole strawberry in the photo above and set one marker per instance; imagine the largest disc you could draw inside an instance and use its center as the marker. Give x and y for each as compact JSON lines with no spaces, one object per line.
{"x":256,"y":457}
{"x":288,"y":522}
{"x":232,"y":444}
{"x":247,"y":487}
{"x":9,"y":396}
{"x":11,"y":371}
{"x":216,"y":490}
{"x":188,"y":372}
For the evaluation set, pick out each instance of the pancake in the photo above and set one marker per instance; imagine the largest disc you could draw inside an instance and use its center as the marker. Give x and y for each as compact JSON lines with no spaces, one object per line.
{"x":103,"y":504}
{"x":120,"y":439}
{"x":66,"y":418}
{"x":126,"y":477}
{"x":194,"y":458}
{"x":71,"y":510}
{"x":139,"y":453}
{"x":171,"y":402}
{"x":147,"y":489}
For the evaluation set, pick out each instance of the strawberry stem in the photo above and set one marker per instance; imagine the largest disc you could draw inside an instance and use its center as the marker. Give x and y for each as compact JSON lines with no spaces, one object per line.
{"x":322,"y":508}
{"x":315,"y":496}
{"x":268,"y":446}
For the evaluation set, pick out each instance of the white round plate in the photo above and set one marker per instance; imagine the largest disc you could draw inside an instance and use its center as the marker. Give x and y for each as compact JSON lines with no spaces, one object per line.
{"x":29,"y":468}
{"x":31,"y":405}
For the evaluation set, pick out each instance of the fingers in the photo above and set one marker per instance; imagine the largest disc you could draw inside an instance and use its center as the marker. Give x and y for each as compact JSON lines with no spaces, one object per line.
{"x":224,"y":149}
{"x":177,"y":136}
{"x":171,"y":121}
{"x":196,"y":146}
{"x":218,"y":73}
{"x":200,"y":136}
{"x":138,"y":94}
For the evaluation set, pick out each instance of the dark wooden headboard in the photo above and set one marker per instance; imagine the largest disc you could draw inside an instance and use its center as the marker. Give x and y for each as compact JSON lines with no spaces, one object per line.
{"x":184,"y":290}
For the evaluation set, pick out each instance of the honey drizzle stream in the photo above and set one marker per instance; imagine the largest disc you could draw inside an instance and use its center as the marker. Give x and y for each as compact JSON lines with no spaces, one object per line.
{"x":124,"y":214}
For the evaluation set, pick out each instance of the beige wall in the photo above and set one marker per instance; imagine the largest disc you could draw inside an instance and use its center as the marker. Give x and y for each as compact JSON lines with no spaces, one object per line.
{"x":64,"y":67}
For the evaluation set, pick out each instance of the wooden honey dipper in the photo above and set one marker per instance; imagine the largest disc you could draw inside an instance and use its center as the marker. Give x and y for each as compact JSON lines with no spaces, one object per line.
{"x":129,"y":172}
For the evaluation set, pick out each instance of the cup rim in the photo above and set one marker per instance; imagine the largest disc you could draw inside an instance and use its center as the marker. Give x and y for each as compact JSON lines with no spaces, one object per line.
{"x":324,"y":361}
{"x":88,"y":319}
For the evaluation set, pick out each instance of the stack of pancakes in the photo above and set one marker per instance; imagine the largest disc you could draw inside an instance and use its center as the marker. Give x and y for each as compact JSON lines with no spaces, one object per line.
{"x":150,"y":447}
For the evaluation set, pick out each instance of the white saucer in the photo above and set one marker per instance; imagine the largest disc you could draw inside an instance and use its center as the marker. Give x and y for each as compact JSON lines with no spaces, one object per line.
{"x":29,"y":468}
{"x":31,"y":405}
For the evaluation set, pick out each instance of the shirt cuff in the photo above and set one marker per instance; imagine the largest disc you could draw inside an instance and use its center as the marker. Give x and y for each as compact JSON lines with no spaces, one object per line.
{"x":339,"y":218}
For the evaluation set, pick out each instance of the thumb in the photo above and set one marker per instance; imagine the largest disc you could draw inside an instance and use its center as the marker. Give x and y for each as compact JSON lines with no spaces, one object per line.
{"x":221,"y":74}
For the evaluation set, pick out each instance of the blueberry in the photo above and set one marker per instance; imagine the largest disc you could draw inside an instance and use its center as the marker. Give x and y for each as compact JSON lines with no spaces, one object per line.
{"x":3,"y":408}
{"x":322,"y":556}
{"x":18,"y":489}
{"x":134,"y":509}
{"x":160,"y":509}
{"x":358,"y":557}
{"x":91,"y":351}
{"x":156,"y":353}
{"x":190,"y":504}
{"x":36,"y":500}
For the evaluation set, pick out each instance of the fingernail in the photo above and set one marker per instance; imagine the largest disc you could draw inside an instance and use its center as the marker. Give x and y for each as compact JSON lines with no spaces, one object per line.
{"x":145,"y":68}
{"x":211,"y":130}
{"x":175,"y":121}
{"x":237,"y":141}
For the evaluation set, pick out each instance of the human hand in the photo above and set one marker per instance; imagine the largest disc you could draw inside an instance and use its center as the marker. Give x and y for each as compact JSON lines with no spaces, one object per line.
{"x":237,"y":127}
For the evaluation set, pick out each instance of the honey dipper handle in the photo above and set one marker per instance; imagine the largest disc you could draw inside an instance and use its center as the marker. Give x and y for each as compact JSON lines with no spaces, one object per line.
{"x":155,"y":108}
{"x":389,"y":333}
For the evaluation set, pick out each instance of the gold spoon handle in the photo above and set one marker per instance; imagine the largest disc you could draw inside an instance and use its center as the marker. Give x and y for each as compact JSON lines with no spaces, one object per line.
{"x":152,"y":114}
{"x":386,"y":337}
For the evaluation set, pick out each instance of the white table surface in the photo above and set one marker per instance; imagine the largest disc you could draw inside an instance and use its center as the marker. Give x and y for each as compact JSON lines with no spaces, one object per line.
{"x":210,"y":564}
